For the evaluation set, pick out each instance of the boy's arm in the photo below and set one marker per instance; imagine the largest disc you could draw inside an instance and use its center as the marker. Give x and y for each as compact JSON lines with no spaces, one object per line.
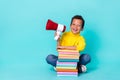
{"x":64,"y":47}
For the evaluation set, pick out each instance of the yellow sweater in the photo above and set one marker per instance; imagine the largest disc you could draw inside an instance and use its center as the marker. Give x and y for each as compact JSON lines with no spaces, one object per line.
{"x":70,"y":39}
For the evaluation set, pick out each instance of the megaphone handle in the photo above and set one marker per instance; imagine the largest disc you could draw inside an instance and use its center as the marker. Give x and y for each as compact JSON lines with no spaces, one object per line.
{"x":57,"y":36}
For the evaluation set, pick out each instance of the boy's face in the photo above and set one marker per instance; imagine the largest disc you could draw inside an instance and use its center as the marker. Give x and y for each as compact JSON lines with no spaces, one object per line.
{"x":76,"y":26}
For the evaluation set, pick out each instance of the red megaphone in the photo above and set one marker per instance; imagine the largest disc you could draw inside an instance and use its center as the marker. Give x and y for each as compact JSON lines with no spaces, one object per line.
{"x":55,"y":26}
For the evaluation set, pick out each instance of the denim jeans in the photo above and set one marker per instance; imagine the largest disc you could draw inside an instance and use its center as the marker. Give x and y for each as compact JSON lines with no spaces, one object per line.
{"x":83,"y":60}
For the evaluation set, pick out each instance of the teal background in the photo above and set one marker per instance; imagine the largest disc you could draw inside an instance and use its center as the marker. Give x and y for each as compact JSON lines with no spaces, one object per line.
{"x":24,"y":42}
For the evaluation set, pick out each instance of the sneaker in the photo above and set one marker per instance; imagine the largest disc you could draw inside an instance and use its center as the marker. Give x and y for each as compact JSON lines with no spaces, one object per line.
{"x":54,"y":68}
{"x":83,"y":68}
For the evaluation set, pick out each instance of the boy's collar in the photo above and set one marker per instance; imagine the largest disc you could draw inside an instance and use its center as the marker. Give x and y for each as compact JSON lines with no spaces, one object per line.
{"x":74,"y":34}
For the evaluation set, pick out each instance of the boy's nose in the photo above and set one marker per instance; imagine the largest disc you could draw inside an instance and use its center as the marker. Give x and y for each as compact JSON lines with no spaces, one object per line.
{"x":75,"y":26}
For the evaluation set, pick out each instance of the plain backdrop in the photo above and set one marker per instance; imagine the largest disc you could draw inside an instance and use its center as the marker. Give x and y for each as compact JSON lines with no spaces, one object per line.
{"x":24,"y":42}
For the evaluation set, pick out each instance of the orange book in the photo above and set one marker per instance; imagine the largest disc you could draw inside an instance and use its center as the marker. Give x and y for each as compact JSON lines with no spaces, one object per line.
{"x":67,"y":70}
{"x":60,"y":50}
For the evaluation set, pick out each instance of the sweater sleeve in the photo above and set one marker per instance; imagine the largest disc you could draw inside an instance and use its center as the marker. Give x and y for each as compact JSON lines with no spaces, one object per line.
{"x":62,"y":38}
{"x":81,"y":44}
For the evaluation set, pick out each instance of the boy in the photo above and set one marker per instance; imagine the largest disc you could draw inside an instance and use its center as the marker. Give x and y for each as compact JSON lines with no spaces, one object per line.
{"x":74,"y":41}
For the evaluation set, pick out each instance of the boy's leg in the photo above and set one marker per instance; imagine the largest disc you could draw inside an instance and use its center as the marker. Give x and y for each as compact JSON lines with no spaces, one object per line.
{"x":83,"y":60}
{"x":52,"y":59}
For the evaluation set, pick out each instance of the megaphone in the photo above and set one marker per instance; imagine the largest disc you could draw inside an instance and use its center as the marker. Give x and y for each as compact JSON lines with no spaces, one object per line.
{"x":55,"y":26}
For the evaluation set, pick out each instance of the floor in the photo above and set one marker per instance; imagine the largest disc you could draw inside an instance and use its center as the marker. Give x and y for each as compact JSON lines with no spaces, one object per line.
{"x":34,"y":67}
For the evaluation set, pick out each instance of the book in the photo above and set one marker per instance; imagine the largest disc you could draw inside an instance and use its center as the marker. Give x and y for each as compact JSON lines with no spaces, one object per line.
{"x":61,"y":50}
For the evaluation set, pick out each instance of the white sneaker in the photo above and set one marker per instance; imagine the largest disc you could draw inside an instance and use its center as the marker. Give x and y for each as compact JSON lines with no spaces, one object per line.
{"x":83,"y":68}
{"x":54,"y":68}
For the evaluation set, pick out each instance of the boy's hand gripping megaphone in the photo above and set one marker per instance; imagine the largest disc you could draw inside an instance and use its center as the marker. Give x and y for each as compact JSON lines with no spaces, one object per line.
{"x":55,"y":26}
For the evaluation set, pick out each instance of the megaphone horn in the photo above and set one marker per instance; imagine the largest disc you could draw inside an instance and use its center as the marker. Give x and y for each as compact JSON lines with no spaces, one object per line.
{"x":55,"y":26}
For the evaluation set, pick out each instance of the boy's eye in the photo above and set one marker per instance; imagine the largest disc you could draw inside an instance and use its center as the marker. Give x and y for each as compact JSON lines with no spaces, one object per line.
{"x":73,"y":24}
{"x":76,"y":25}
{"x":80,"y":25}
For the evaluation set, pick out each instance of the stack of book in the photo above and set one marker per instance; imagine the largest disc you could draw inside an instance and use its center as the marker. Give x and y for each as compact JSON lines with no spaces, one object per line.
{"x":67,"y":63}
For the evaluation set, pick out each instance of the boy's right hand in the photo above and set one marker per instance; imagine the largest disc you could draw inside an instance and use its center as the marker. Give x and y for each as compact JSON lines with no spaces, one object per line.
{"x":57,"y":35}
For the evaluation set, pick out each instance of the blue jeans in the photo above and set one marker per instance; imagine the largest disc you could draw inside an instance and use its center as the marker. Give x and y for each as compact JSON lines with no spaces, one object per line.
{"x":83,"y":60}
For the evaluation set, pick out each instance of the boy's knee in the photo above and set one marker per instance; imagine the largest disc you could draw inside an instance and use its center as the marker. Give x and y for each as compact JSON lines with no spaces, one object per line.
{"x":51,"y":59}
{"x":85,"y":58}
